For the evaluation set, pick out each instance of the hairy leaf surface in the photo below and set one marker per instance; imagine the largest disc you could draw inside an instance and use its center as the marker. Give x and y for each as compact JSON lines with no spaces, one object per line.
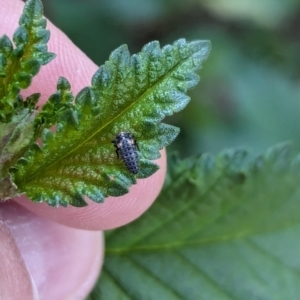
{"x":223,"y":228}
{"x":128,"y":93}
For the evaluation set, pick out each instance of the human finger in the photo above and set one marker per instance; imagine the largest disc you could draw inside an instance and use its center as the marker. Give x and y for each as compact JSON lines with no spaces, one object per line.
{"x":41,"y":259}
{"x":78,"y":69}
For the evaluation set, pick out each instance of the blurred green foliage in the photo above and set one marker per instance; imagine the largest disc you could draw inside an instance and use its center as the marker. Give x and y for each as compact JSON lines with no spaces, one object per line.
{"x":249,"y":92}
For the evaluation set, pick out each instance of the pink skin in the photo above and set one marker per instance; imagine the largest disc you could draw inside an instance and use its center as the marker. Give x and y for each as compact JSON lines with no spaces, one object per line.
{"x":40,"y":258}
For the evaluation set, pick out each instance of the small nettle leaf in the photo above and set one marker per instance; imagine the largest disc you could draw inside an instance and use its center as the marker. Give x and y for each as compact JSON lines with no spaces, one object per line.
{"x":19,"y":64}
{"x":58,"y":109}
{"x":128,"y":94}
{"x":220,"y":225}
{"x":31,"y":66}
{"x":45,"y":58}
{"x":33,"y":15}
{"x":20,"y":36}
{"x":6,"y":45}
{"x":20,"y":61}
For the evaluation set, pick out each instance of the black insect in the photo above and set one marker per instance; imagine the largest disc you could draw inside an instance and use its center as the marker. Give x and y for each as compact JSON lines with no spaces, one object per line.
{"x":127,"y":146}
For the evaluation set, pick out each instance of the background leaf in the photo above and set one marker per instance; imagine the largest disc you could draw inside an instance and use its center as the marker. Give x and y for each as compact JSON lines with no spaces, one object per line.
{"x":128,"y":93}
{"x":222,"y":228}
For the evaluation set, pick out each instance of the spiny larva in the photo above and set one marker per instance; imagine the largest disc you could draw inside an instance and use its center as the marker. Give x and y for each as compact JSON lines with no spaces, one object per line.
{"x":127,"y":146}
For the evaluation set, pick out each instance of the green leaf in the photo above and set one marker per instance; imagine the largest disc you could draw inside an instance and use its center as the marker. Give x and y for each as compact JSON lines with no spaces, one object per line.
{"x":58,"y":108}
{"x":224,"y":227}
{"x":18,"y":65}
{"x":128,"y":93}
{"x":15,"y":137}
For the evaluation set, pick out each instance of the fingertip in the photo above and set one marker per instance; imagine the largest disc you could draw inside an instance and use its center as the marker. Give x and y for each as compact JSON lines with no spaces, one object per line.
{"x":48,"y":260}
{"x":15,"y":277}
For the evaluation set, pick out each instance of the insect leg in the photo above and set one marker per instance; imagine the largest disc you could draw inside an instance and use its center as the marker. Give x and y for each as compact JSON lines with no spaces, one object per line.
{"x":118,"y":152}
{"x":135,"y":143}
{"x":117,"y":149}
